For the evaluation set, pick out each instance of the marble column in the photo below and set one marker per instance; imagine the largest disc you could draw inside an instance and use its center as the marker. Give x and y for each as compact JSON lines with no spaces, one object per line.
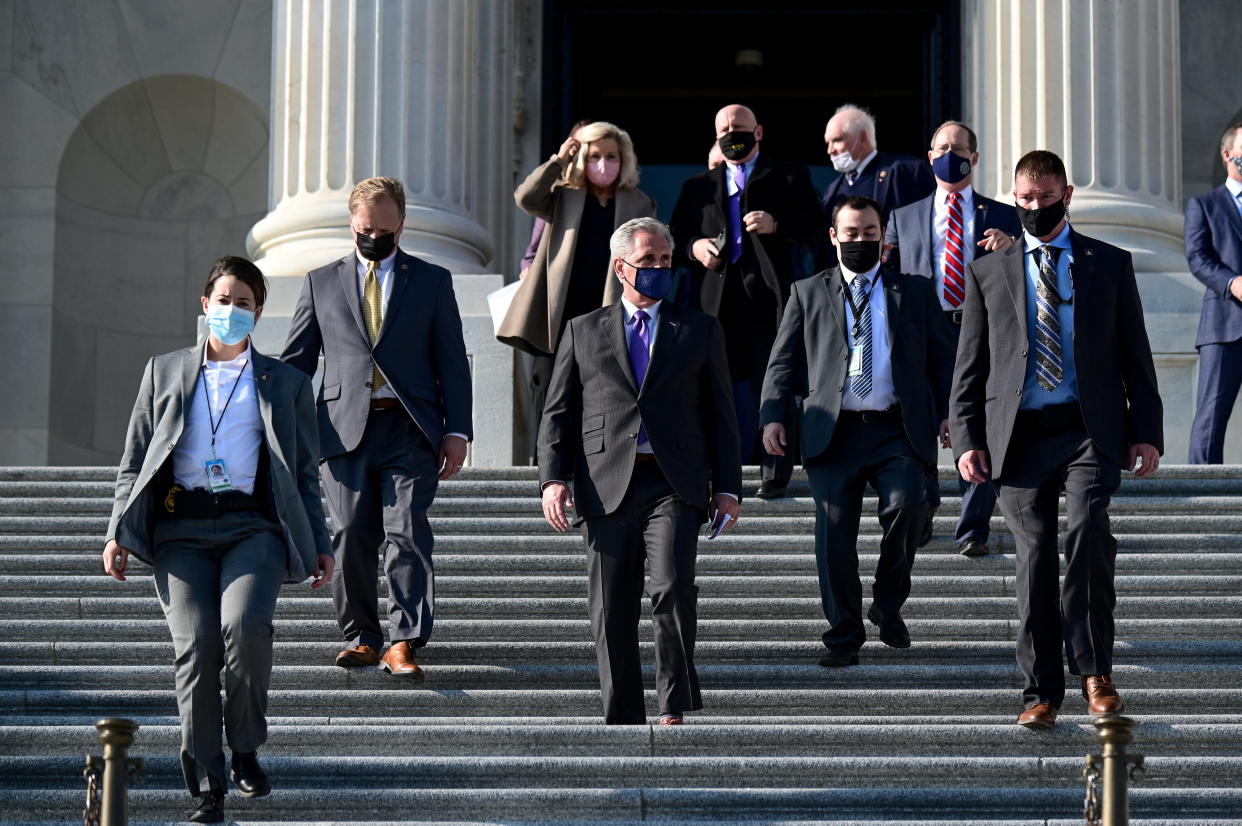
{"x":1097,"y":82}
{"x":428,"y":92}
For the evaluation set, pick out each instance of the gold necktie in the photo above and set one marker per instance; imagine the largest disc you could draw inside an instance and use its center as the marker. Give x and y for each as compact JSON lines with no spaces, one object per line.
{"x":373,"y":314}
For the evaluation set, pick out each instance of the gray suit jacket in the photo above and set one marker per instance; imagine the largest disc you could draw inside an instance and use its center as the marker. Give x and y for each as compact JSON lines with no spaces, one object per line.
{"x":594,"y":410}
{"x":811,"y":354}
{"x":1116,"y":375}
{"x":421,"y":351}
{"x":157,"y":422}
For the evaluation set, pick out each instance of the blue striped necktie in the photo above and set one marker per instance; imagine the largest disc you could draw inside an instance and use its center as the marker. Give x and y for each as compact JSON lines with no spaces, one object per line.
{"x":1048,"y":365}
{"x":861,"y":384}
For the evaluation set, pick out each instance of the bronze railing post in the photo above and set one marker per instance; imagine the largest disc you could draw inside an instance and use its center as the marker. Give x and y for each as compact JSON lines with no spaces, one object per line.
{"x":117,"y":735}
{"x":1115,"y":733}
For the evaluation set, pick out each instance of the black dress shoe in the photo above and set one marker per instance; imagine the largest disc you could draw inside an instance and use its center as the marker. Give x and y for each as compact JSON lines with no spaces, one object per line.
{"x":249,"y":776}
{"x":893,"y":631}
{"x":839,"y":657}
{"x":772,"y":489}
{"x":972,"y":547}
{"x":210,"y":808}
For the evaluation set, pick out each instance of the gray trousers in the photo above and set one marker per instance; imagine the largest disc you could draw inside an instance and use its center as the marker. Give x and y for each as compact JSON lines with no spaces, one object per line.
{"x":217,"y":581}
{"x":378,"y":495}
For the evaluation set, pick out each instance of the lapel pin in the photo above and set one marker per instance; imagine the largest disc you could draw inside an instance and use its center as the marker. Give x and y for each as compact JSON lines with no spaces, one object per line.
{"x":883,"y":172}
{"x":263,"y":377}
{"x":405,"y":266}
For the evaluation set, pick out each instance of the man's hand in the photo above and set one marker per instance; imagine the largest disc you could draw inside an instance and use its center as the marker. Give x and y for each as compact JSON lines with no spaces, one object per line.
{"x":994,"y":239}
{"x":1235,"y":287}
{"x":1149,"y":455}
{"x":759,"y":222}
{"x":973,"y":466}
{"x":885,"y":249}
{"x":568,"y":149}
{"x":724,"y":503}
{"x":325,"y":564}
{"x":556,"y":500}
{"x":705,"y":252}
{"x":774,"y":438}
{"x":452,"y":456}
{"x":115,"y":558}
{"x":945,"y":439}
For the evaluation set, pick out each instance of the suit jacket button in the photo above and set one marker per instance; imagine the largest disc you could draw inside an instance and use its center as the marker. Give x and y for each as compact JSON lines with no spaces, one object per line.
{"x":1018,"y":392}
{"x":1023,"y":354}
{"x":368,"y":384}
{"x":841,"y":387}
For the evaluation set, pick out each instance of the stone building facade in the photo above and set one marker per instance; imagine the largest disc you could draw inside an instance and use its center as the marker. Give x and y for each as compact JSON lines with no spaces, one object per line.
{"x":141,"y":139}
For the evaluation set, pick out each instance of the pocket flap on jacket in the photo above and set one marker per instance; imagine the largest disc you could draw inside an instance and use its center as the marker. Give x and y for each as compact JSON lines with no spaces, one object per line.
{"x":330,"y":392}
{"x":593,"y":423}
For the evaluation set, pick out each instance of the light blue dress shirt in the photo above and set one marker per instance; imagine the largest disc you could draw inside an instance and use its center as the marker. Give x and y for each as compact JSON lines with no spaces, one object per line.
{"x":1035,"y":397}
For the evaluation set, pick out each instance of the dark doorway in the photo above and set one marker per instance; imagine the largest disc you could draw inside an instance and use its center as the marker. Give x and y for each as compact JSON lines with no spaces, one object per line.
{"x":661,"y":70}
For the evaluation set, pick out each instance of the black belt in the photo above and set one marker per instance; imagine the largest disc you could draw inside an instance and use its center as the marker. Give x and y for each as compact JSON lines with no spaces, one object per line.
{"x":1053,"y":418}
{"x":203,"y":504}
{"x":643,"y":456}
{"x":385,"y":403}
{"x":953,"y":317}
{"x":887,"y":415}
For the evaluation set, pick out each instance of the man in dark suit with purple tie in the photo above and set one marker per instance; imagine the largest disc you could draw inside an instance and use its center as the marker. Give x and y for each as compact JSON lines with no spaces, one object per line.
{"x":639,"y":419}
{"x":1214,"y":251}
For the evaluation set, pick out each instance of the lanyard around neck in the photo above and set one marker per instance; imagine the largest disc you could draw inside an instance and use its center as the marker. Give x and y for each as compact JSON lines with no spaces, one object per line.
{"x":215,"y":423}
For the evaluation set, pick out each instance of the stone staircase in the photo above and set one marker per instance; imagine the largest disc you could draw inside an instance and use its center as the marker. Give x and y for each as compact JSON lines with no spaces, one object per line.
{"x":507,"y":727}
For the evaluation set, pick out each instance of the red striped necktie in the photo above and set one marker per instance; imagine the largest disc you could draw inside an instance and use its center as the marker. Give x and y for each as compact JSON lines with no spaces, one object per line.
{"x":954,"y":269}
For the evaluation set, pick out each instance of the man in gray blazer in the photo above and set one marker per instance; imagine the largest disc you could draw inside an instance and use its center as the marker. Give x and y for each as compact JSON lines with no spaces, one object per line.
{"x":639,"y":418}
{"x":869,"y":351}
{"x":1055,"y":390}
{"x":394,"y":420}
{"x":937,"y":238}
{"x":218,"y":491}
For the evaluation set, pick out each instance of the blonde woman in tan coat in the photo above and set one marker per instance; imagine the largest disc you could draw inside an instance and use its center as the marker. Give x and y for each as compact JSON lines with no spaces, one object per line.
{"x":584,"y":192}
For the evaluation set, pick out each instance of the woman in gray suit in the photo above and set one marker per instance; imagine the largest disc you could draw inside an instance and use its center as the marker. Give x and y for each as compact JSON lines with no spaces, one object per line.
{"x":218,"y":490}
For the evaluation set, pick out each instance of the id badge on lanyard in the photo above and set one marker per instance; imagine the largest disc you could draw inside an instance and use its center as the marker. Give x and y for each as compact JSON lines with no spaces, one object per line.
{"x":217,"y":469}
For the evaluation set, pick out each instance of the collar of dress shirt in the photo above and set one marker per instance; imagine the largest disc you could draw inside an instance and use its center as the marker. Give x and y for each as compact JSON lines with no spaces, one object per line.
{"x":966,"y":193}
{"x":653,"y":312}
{"x":849,"y":275}
{"x":858,"y":170}
{"x":1234,"y":186}
{"x":246,"y":354}
{"x":748,"y":166}
{"x":384,"y":264}
{"x":1031,"y":243}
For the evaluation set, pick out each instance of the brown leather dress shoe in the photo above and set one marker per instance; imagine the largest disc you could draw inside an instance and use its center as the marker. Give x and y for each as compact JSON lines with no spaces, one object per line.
{"x":671,"y":720}
{"x":399,"y":662}
{"x":1101,"y":695}
{"x":358,"y":657}
{"x":1039,"y":717}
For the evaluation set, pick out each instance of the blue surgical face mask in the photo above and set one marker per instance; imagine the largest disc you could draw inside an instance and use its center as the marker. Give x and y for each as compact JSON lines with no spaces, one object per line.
{"x":951,"y":168}
{"x":653,"y":282}
{"x":229,"y":323}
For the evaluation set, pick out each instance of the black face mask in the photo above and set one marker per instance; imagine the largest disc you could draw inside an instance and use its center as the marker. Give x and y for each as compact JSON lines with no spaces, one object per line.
{"x":376,"y":249}
{"x":737,"y":145}
{"x":860,"y":256}
{"x":1040,"y":222}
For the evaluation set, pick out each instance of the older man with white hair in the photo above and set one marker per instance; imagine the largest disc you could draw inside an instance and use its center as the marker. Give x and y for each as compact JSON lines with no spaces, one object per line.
{"x":891,"y":181}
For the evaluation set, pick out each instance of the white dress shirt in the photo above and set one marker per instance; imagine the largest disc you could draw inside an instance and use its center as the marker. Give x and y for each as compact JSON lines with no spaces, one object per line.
{"x":239,"y":433}
{"x":940,"y":232}
{"x":882,"y":395}
{"x":383,"y":274}
{"x":748,"y":168}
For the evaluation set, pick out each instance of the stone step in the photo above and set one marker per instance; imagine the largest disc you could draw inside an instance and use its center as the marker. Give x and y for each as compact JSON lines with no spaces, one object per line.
{"x":795,"y":524}
{"x":140,"y":591}
{"x":708,"y":564}
{"x":54,"y":571}
{"x":922,"y":739}
{"x":501,"y":505}
{"x":865,"y":806}
{"x":119,"y":649}
{"x":713,"y":771}
{"x":295,"y":629}
{"x":440,"y":696}
{"x":790,"y":671}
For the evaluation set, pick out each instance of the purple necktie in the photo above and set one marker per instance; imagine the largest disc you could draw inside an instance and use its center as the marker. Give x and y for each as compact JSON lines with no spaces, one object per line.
{"x":735,"y":213}
{"x":640,"y":356}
